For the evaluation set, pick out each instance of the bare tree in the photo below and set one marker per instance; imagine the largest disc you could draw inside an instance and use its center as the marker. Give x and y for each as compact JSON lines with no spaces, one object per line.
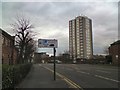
{"x":24,"y":39}
{"x":29,"y":50}
{"x":105,"y":50}
{"x":66,"y":52}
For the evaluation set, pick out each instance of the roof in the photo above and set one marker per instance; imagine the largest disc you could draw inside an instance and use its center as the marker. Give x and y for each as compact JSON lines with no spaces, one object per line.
{"x":81,"y":16}
{"x":40,"y":52}
{"x":6,"y":34}
{"x":116,"y":43}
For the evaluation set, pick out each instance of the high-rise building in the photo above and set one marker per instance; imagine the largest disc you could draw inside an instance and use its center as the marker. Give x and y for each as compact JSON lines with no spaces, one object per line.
{"x":80,"y":38}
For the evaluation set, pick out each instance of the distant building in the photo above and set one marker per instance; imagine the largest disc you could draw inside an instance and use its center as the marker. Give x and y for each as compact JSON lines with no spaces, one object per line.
{"x":41,"y":57}
{"x":99,"y":59}
{"x":80,"y":38}
{"x":64,"y":58}
{"x":114,"y":52}
{"x":9,"y":51}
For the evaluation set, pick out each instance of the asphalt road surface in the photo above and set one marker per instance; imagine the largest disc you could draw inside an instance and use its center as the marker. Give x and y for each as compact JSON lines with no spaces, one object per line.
{"x":86,"y":75}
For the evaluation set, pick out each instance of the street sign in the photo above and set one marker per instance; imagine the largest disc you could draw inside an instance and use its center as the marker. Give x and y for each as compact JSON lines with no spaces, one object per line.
{"x":47,"y":43}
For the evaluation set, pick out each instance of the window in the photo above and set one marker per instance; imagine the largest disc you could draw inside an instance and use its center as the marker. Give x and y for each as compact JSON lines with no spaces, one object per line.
{"x":77,"y":28}
{"x":81,"y":32}
{"x":5,"y":41}
{"x":81,"y":49}
{"x":78,"y":36}
{"x":80,"y":20}
{"x":81,"y":38}
{"x":81,"y":35}
{"x":81,"y":52}
{"x":77,"y":19}
{"x":2,"y":40}
{"x":81,"y":43}
{"x":80,"y":23}
{"x":81,"y":55}
{"x":81,"y":46}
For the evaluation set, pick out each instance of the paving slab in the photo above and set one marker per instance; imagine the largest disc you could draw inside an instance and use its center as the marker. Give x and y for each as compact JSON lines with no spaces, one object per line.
{"x":39,"y":77}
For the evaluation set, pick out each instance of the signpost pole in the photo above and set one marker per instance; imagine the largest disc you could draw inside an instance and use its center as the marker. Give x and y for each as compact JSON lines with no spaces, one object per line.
{"x":49,"y":43}
{"x":54,"y":64}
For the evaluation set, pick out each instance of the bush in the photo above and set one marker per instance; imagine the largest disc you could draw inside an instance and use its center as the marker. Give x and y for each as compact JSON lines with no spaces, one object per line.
{"x":7,"y":76}
{"x":13,"y":74}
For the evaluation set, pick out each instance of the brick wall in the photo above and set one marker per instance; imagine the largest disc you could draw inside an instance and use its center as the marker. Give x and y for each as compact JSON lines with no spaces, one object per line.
{"x":9,"y":52}
{"x":113,"y":51}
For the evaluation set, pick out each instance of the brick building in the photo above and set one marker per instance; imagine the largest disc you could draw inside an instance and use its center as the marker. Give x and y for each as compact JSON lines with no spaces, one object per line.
{"x":9,"y":51}
{"x":41,"y":57}
{"x":114,"y":52}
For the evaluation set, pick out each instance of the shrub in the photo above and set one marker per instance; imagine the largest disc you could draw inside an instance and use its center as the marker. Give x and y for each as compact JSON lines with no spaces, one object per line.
{"x":13,"y":74}
{"x":7,"y":76}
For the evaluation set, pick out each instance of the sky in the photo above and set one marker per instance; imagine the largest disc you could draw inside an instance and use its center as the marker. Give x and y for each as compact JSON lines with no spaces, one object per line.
{"x":51,"y":20}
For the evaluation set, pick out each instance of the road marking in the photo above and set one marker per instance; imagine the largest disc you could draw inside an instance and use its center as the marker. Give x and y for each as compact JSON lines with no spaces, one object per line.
{"x":103,"y":71}
{"x":83,"y":72}
{"x":106,"y":78}
{"x":108,"y":68}
{"x":73,"y":84}
{"x":40,"y":65}
{"x":69,"y":69}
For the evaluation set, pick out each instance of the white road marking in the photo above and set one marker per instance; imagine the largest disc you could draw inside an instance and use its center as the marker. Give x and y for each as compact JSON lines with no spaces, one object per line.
{"x":69,"y":69}
{"x":103,"y":71}
{"x":108,"y":68}
{"x":40,"y":65}
{"x":107,"y":78}
{"x":83,"y":72}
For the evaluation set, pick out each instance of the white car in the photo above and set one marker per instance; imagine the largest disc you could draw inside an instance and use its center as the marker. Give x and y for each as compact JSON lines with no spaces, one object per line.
{"x":58,"y":61}
{"x":74,"y":61}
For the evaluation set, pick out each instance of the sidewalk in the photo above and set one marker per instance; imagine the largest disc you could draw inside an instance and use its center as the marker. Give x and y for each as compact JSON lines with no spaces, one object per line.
{"x":40,"y":77}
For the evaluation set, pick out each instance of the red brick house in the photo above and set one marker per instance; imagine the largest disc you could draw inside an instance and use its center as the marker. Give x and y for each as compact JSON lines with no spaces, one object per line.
{"x":114,"y":52}
{"x":41,"y":57}
{"x":9,"y":51}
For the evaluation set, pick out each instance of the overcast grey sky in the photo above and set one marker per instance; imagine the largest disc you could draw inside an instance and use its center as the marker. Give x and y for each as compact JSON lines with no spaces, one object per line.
{"x":51,"y":20}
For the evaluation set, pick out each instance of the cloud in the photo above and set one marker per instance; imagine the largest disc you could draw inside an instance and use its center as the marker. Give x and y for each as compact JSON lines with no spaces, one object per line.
{"x":59,"y":0}
{"x":51,"y":20}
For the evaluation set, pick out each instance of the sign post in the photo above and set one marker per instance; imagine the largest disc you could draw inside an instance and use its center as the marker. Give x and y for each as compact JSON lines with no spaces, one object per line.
{"x":49,"y":43}
{"x":54,"y":64}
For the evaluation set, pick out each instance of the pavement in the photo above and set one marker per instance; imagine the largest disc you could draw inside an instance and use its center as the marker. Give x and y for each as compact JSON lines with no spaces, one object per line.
{"x":39,"y":77}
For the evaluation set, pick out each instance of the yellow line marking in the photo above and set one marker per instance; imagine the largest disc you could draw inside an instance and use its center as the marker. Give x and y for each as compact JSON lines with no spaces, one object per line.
{"x":66,"y":79}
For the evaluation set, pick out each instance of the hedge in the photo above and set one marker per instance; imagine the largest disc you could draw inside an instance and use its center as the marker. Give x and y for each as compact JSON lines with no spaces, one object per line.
{"x":13,"y":74}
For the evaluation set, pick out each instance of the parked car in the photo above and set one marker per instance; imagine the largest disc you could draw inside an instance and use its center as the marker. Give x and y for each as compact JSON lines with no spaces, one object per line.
{"x":58,"y":61}
{"x":74,"y":61}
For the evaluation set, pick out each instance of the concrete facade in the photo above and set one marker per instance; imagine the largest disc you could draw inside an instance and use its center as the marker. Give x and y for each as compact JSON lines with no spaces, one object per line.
{"x":80,"y":38}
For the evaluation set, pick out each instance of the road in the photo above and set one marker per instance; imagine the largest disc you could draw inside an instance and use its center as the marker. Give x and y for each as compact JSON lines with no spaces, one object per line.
{"x":86,"y":75}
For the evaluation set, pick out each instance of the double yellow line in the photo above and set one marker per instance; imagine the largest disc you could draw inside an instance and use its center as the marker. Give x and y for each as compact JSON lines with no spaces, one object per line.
{"x":71,"y":83}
